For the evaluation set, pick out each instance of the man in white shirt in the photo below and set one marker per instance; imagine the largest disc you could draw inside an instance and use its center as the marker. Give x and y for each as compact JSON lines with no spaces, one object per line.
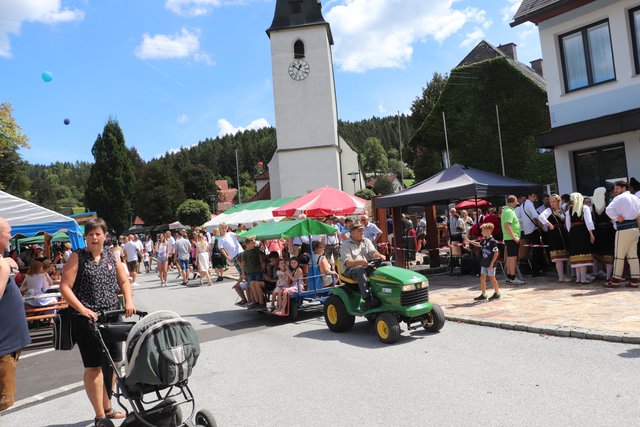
{"x":371,"y":231}
{"x":529,"y":222}
{"x":518,"y":211}
{"x":140,"y":247}
{"x":624,"y":209}
{"x":131,"y":252}
{"x":331,"y":249}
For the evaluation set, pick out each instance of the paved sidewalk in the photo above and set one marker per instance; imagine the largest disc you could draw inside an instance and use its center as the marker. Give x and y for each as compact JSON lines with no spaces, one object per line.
{"x":544,"y":305}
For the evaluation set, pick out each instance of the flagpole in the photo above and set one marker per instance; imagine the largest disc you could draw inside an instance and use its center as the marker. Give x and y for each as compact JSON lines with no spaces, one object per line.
{"x":446,"y":140}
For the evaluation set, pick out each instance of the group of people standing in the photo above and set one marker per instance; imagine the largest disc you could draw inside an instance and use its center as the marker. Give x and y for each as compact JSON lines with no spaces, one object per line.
{"x":598,"y":233}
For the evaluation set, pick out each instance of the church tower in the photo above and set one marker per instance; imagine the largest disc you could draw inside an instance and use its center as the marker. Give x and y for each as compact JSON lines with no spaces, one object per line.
{"x":309,"y":152}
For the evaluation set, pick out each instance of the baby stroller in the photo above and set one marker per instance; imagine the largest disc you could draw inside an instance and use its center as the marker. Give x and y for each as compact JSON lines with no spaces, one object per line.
{"x":161,"y":350}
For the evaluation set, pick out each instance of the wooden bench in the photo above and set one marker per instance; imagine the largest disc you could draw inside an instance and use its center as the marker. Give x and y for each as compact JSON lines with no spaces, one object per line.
{"x":40,"y":313}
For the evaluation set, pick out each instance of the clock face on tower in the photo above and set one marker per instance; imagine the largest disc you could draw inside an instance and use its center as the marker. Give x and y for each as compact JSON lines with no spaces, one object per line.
{"x":299,"y":69}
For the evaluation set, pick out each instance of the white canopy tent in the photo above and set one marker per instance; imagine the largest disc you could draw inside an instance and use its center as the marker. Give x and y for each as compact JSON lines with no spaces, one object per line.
{"x":248,"y":213}
{"x":28,"y":219}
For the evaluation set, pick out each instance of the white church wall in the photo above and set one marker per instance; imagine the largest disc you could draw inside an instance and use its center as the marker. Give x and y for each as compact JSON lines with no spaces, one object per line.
{"x":303,"y":171}
{"x":306,"y":112}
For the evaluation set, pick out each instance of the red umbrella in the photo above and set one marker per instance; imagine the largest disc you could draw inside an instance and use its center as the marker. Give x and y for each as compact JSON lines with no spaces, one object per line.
{"x":471,"y":203}
{"x":322,"y":202}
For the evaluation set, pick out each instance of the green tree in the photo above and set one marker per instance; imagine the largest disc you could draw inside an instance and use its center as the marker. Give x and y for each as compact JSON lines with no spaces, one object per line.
{"x":366,"y":194}
{"x":11,"y":136}
{"x":423,"y":104}
{"x":11,"y":164}
{"x":193,"y":212}
{"x":159,"y":193}
{"x":383,"y":186}
{"x":374,"y":158}
{"x":198,"y":182}
{"x":112,"y":181}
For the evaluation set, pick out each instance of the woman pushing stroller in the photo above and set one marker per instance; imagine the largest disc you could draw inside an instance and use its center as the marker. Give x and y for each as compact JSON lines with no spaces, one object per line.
{"x":90,"y":283}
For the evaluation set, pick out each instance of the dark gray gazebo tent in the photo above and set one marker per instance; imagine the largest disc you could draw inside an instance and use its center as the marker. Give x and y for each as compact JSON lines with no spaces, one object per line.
{"x":457,"y":182}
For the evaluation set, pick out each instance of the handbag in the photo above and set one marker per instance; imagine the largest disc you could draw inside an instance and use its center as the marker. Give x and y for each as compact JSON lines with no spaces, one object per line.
{"x":62,"y":329}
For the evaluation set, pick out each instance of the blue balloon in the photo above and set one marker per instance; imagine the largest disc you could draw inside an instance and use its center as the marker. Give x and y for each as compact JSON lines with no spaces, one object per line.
{"x":47,"y":76}
{"x":67,"y":121}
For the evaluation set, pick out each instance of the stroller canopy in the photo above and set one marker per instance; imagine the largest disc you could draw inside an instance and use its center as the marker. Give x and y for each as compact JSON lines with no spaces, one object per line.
{"x":162,"y":349}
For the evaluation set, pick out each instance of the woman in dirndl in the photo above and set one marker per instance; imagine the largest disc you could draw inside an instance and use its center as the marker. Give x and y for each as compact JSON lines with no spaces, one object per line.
{"x":579,"y":222}
{"x":557,"y":236}
{"x":605,"y":233}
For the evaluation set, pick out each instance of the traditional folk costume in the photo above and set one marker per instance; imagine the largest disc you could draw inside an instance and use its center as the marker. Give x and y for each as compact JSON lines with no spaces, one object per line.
{"x":557,"y":239}
{"x":580,"y":223}
{"x":604,"y":232}
{"x":627,"y":206}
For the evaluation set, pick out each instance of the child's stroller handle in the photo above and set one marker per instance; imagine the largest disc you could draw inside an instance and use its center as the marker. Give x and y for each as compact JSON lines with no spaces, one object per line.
{"x":104,"y":316}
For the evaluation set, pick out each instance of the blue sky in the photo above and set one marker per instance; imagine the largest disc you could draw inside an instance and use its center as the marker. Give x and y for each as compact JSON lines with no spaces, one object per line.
{"x":174,"y":72}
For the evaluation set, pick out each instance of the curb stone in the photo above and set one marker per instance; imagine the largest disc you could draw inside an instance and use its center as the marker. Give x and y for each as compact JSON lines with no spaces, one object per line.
{"x":551,"y":330}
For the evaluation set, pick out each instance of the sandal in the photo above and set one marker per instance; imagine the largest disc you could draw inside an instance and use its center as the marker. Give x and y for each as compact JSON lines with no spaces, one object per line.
{"x":113,"y":414}
{"x":611,"y":284}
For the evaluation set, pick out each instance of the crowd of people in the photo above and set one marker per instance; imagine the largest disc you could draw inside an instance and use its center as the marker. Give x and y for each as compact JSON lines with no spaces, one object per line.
{"x":583,"y":237}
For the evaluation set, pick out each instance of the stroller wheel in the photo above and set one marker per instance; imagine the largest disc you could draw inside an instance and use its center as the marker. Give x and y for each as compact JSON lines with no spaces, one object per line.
{"x":204,"y":418}
{"x":104,"y":422}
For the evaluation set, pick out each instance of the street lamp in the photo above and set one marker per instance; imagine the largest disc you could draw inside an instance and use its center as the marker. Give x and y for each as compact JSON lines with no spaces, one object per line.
{"x":354,"y":176}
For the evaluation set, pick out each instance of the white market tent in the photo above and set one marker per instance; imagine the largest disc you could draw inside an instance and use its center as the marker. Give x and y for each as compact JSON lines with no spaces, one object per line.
{"x":248,"y":213}
{"x":28,"y":219}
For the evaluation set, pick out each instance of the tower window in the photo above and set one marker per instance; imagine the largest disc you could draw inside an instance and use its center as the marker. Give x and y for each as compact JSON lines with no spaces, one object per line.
{"x":298,"y":49}
{"x":296,"y":6}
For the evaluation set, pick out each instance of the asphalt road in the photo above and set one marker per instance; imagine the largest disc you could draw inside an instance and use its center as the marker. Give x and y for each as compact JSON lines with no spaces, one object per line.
{"x":256,"y":370}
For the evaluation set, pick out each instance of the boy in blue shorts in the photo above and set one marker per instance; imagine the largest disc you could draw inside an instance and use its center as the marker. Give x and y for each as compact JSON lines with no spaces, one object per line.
{"x":489,"y":248}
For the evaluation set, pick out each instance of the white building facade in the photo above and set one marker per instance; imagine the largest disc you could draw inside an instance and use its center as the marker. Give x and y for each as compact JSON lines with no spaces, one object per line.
{"x":592,"y":70}
{"x":310,"y":153}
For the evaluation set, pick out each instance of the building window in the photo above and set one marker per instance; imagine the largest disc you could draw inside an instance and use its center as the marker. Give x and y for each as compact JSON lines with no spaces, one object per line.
{"x":634,"y":17}
{"x":587,"y":57}
{"x":298,"y":49}
{"x":599,"y":167}
{"x":295,"y":6}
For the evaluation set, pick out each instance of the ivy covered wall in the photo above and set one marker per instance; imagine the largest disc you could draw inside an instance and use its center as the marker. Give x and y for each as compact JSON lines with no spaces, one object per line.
{"x":469,"y":101}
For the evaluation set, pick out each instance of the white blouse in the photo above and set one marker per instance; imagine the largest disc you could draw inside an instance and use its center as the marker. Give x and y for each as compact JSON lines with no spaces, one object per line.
{"x":586,"y":216}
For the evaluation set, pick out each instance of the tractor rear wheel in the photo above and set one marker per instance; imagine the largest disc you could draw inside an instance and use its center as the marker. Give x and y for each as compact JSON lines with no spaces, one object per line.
{"x":336,"y":316}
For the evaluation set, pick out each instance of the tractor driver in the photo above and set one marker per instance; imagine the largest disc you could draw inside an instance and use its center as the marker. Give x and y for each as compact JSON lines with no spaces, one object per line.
{"x":355,"y":254}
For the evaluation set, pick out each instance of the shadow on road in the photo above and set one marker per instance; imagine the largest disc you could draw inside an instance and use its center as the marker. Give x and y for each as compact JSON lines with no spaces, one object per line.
{"x":632,"y":353}
{"x":362,"y":335}
{"x":239,"y":319}
{"x":80,"y":424}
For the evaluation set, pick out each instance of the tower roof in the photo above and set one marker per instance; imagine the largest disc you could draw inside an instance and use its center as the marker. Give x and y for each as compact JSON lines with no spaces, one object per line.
{"x":298,"y":13}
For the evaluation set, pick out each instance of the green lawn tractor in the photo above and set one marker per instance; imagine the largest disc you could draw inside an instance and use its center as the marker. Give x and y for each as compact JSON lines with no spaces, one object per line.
{"x":403,"y":296}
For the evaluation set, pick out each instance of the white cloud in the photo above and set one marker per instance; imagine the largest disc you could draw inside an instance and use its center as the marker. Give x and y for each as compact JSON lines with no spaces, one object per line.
{"x":509,"y":11}
{"x":185,"y":44}
{"x":472,"y":38}
{"x":182,"y":119}
{"x":372,"y":34}
{"x":15,"y":12}
{"x":198,"y":7}
{"x":226,"y":128}
{"x":381,"y":108}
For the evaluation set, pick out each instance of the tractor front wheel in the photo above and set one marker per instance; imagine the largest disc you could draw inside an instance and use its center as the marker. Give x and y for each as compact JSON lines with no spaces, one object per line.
{"x":434,"y":320}
{"x":388,"y":328}
{"x":336,"y":316}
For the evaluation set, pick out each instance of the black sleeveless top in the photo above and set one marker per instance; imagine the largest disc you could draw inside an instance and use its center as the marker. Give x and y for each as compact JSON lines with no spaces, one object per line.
{"x":96,"y":284}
